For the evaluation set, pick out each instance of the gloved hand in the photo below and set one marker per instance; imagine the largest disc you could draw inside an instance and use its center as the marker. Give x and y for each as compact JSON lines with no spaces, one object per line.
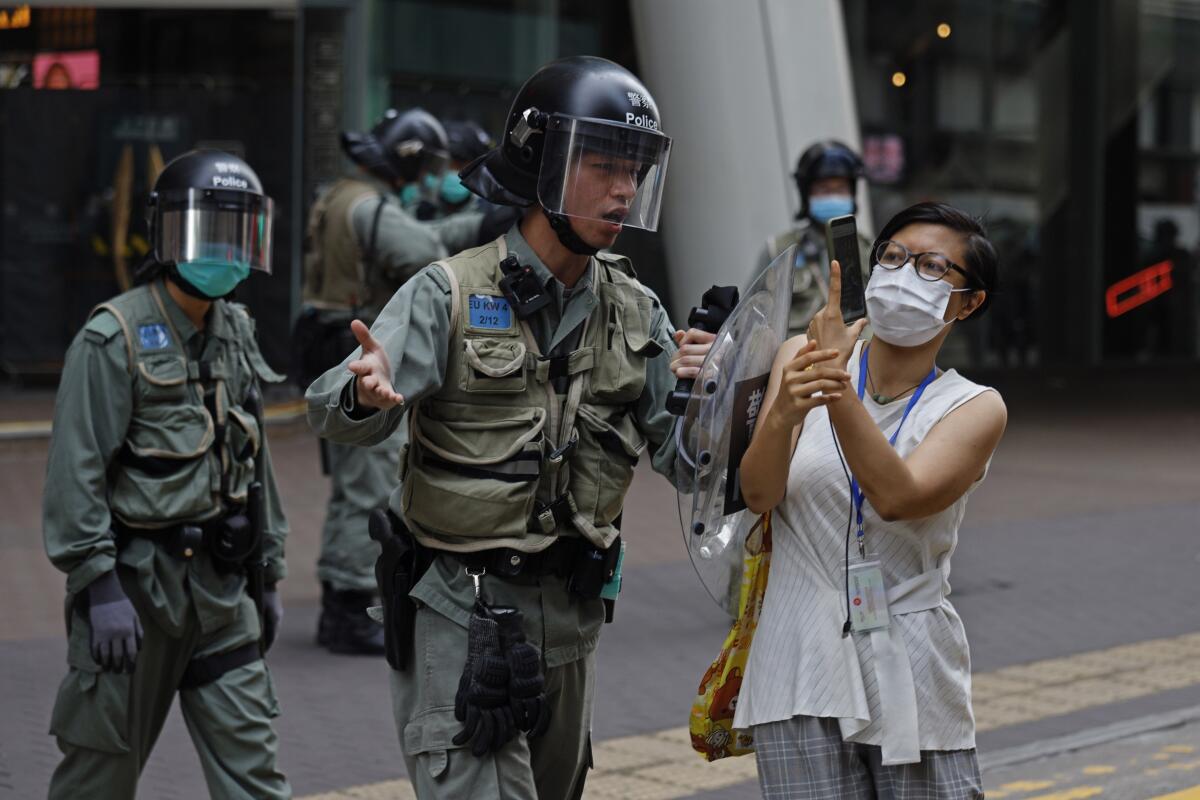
{"x":526,"y":684}
{"x":272,"y":616}
{"x":482,"y":699}
{"x":116,"y":629}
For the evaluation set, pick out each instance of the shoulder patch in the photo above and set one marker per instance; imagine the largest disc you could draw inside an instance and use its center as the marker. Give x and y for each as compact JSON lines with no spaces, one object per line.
{"x":102,"y":327}
{"x":153,"y":337}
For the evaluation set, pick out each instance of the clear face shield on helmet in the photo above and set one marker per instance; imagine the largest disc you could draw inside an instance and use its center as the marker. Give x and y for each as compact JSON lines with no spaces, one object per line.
{"x":604,"y":171}
{"x":213,"y":226}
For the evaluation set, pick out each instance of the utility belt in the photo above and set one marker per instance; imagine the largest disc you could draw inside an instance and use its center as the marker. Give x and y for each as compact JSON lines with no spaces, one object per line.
{"x":229,"y":540}
{"x":589,"y":572}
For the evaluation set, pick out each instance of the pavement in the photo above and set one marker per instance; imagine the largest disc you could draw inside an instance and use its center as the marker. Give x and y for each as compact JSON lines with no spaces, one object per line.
{"x":1076,"y":577}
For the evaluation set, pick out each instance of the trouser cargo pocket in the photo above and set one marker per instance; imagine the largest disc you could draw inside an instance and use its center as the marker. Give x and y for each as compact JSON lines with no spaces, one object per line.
{"x":92,"y":708}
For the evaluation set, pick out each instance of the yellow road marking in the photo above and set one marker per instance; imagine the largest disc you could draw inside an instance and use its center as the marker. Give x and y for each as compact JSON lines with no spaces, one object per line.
{"x":1026,"y":786}
{"x":1099,"y":769}
{"x":662,"y":765}
{"x":1078,"y":793}
{"x":1056,"y":686}
{"x":1184,"y":766}
{"x":1187,"y":794}
{"x":1179,"y":748}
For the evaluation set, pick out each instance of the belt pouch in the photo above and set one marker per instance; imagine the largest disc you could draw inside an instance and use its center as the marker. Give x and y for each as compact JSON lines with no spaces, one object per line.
{"x":396,"y":571}
{"x":593,"y":568}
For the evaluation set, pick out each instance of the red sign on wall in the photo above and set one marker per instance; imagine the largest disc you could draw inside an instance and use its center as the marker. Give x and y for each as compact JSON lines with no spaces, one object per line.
{"x":1139,"y":288}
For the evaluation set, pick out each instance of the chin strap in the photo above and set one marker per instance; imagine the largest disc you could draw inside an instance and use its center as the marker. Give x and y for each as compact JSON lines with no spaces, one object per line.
{"x":567,"y":235}
{"x":189,"y":289}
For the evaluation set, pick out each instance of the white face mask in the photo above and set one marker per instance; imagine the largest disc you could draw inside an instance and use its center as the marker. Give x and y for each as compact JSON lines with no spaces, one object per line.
{"x":905,"y":309}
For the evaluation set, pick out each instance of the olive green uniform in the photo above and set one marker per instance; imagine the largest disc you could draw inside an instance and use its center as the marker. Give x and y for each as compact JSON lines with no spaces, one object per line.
{"x":347,"y":278}
{"x":484,"y":399}
{"x":810,"y":287}
{"x":136,"y":445}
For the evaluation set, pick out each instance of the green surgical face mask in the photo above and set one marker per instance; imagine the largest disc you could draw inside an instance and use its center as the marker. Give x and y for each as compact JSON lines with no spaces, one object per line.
{"x":410,"y":195}
{"x":213,"y":278}
{"x":453,"y":192}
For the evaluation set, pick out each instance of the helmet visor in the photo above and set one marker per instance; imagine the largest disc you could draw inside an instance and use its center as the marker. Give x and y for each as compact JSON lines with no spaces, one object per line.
{"x":600,"y":170}
{"x":214,"y":225}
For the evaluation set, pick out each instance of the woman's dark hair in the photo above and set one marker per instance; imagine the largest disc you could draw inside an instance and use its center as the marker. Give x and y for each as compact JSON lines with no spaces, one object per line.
{"x":982,"y":263}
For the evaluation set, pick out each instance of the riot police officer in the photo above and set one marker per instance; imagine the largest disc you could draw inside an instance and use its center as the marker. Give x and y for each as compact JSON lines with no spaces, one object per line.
{"x":161,"y":505}
{"x":533,"y":373}
{"x":466,"y":141}
{"x":360,"y":246}
{"x":826,"y":176}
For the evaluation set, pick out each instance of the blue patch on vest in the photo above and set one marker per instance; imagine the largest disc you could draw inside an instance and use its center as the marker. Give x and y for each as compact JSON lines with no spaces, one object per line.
{"x":154,"y":337}
{"x":490,"y":313}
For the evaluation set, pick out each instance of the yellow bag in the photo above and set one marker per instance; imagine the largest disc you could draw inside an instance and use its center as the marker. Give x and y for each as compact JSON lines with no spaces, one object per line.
{"x":711,"y":723}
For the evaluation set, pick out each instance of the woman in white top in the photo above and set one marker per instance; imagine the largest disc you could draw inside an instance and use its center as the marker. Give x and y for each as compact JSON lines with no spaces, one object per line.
{"x":858,"y":683}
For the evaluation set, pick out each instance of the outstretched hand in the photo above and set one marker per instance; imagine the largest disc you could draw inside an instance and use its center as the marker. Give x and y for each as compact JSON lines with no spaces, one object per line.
{"x":374,"y":385}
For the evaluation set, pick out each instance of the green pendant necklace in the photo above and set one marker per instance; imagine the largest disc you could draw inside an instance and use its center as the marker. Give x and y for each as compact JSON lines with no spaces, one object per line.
{"x":883,"y":399}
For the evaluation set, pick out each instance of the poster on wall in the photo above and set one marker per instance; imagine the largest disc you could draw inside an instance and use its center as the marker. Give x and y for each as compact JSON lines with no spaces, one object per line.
{"x":77,"y":69}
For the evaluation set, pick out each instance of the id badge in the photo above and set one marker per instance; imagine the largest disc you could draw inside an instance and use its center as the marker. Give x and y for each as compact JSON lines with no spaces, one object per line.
{"x":868,"y":597}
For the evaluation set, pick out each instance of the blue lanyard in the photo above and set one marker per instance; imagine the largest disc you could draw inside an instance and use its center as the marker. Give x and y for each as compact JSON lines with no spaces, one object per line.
{"x":857,"y":493}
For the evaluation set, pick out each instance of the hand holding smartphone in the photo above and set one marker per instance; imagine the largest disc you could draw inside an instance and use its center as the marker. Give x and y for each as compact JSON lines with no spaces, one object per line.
{"x":841,"y":237}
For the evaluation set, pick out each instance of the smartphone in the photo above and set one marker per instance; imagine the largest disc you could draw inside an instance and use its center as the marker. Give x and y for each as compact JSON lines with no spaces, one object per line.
{"x":841,"y":236}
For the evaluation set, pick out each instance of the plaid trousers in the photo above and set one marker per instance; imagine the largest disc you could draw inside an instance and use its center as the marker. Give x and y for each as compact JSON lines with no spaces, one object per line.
{"x":804,"y":758}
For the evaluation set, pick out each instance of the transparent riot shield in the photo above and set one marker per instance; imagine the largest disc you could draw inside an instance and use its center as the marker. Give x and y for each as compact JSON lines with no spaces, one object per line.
{"x":715,"y":431}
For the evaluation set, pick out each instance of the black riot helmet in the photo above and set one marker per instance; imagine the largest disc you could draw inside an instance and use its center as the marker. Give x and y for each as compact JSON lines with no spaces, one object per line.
{"x":400,"y":147}
{"x":467,"y":141}
{"x":827,"y":159}
{"x":209,"y":206}
{"x":571,"y":110}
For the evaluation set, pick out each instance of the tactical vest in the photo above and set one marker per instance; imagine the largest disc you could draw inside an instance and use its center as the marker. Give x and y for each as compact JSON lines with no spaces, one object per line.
{"x":337,"y":272}
{"x":497,"y":457}
{"x":180,"y":457}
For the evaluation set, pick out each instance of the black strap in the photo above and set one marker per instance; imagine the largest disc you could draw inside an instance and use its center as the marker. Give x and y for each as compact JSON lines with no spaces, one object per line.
{"x":559,"y":366}
{"x":560,"y":508}
{"x":475,"y":471}
{"x":203,"y":671}
{"x":369,"y":255}
{"x":155,"y":466}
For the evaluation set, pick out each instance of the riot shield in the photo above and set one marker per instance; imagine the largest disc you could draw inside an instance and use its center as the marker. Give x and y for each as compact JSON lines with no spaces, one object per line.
{"x":715,"y":431}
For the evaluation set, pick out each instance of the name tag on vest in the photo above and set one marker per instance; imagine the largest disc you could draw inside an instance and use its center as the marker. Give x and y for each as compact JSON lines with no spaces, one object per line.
{"x":489,"y":312}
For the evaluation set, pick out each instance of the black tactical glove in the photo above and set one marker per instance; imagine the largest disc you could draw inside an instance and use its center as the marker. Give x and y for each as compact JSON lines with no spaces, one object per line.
{"x":116,"y":629}
{"x":482,"y":699}
{"x":526,"y":684}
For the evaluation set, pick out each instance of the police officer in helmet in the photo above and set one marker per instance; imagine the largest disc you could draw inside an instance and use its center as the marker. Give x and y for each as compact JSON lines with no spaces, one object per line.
{"x":361,"y":245}
{"x":826,"y":176}
{"x":466,"y":141}
{"x":533,"y":373}
{"x":161,"y":505}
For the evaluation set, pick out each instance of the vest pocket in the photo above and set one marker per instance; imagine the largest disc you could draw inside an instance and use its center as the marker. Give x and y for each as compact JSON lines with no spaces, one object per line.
{"x":162,"y":473}
{"x":620,"y":372}
{"x":163,"y":377}
{"x":493,"y":365}
{"x":244,"y":440}
{"x":602,"y":466}
{"x":474,"y":470}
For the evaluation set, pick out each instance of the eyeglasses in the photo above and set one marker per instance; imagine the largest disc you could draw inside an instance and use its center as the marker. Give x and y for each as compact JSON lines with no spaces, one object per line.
{"x":930,"y":266}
